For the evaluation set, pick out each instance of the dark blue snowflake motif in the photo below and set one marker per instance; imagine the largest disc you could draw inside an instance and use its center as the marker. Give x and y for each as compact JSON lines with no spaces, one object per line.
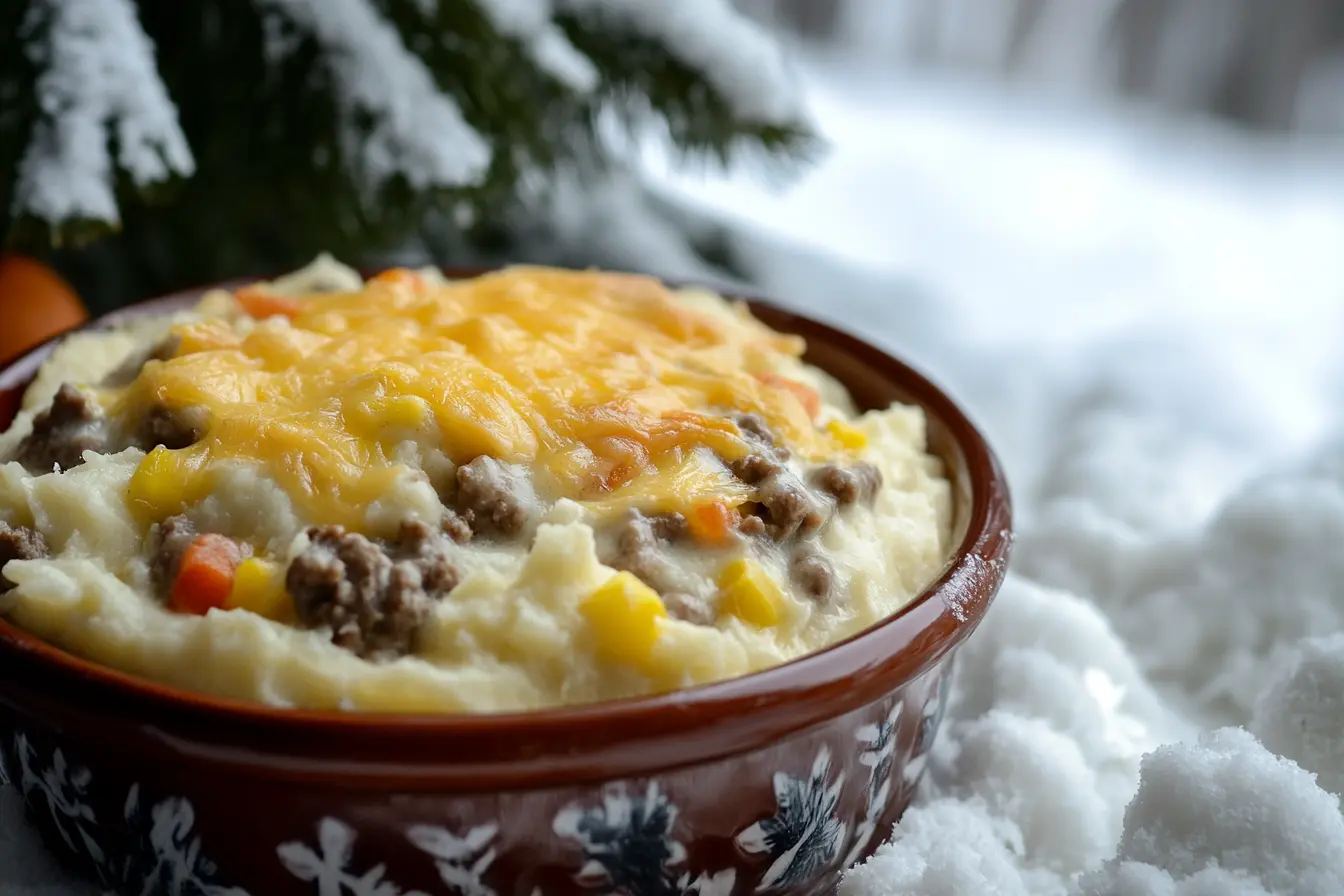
{"x":330,"y":866}
{"x":59,"y":790}
{"x":803,"y":837}
{"x":879,"y":756}
{"x":929,"y":723}
{"x":160,"y":858}
{"x":628,"y":846}
{"x":163,"y":857}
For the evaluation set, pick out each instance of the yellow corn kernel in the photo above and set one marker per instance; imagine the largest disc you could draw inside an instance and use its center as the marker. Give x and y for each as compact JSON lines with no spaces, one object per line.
{"x":847,"y":435}
{"x":747,"y":592}
{"x":625,"y":615}
{"x":259,"y":587}
{"x":166,"y":482}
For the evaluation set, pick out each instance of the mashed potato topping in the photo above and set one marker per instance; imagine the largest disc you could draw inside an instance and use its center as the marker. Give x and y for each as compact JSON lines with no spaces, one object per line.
{"x":531,"y":488}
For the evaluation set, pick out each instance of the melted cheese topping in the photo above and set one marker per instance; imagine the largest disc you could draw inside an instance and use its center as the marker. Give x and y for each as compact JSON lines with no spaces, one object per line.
{"x":609,"y":388}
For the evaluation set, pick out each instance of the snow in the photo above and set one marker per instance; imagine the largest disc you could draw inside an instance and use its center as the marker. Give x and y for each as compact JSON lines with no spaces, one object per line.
{"x":98,"y":84}
{"x":530,"y":21}
{"x":740,"y":60}
{"x":1145,"y":321}
{"x":417,"y":132}
{"x":1301,"y":714}
{"x":1225,"y":802}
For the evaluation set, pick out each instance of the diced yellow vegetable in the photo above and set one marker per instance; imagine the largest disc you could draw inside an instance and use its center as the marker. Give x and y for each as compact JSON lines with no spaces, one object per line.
{"x":625,"y":615}
{"x":847,"y":435}
{"x":166,"y":482}
{"x":259,"y":587}
{"x":747,"y":592}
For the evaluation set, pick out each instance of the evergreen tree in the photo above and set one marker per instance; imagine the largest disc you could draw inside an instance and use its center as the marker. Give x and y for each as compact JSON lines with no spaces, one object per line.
{"x":151,"y":145}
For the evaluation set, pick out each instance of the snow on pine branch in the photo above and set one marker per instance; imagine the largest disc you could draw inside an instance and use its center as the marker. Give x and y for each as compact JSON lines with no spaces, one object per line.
{"x":417,"y":132}
{"x":742,"y":62}
{"x":99,"y":83}
{"x":531,"y":21}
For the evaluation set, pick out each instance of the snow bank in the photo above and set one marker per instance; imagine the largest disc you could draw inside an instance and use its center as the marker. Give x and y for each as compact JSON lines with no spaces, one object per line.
{"x":1301,"y":715}
{"x":1225,"y":811}
{"x":1146,"y":321}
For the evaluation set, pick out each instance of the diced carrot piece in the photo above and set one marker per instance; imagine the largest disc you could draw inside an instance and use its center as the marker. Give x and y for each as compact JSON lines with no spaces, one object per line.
{"x":259,"y":304}
{"x":399,"y":275}
{"x":627,"y":459}
{"x":808,"y":396}
{"x":617,"y":476}
{"x":205,"y":575}
{"x":712,"y":523}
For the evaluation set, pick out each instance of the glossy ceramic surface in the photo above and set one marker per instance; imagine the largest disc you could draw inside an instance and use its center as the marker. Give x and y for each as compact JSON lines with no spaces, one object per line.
{"x":771,"y":783}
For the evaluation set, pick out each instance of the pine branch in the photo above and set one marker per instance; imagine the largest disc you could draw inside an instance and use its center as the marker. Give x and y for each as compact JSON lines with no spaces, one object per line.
{"x":712,"y":40}
{"x":530,"y":22}
{"x":341,"y":125}
{"x":530,"y":110}
{"x":98,"y":90}
{"x":19,"y":111}
{"x":394,"y":120}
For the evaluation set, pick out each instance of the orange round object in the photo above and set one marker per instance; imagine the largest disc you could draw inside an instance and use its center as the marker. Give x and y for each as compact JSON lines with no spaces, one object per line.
{"x":35,"y":304}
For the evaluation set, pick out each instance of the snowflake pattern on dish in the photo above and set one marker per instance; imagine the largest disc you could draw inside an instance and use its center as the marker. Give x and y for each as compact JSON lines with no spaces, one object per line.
{"x":879,"y":756}
{"x":628,"y":846}
{"x":329,"y":865}
{"x":628,"y":840}
{"x":162,"y":857}
{"x":62,"y":790}
{"x":929,"y":723}
{"x":462,"y":861}
{"x":804,"y":835}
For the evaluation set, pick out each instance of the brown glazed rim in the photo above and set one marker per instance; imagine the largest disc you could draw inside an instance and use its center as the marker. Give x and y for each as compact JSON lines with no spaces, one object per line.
{"x":495,"y":751}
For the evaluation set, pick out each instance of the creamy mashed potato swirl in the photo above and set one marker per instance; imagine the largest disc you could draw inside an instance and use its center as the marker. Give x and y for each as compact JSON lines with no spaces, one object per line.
{"x":533,"y":488}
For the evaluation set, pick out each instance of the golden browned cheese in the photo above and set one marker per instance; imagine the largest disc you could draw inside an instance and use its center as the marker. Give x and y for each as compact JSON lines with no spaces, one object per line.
{"x":604,"y":384}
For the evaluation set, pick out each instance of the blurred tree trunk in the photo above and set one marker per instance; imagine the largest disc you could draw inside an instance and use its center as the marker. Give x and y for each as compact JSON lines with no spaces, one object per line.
{"x":1249,"y":61}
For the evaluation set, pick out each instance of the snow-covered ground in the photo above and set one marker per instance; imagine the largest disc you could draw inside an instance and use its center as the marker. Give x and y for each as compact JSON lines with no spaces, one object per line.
{"x":1149,"y":323}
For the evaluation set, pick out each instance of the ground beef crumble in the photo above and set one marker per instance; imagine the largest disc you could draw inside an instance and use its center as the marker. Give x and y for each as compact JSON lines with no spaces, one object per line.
{"x":73,"y":424}
{"x":19,"y":543}
{"x":849,"y":485}
{"x":170,"y":538}
{"x":492,"y":498}
{"x":640,"y":543}
{"x":755,"y":468}
{"x":373,"y":597}
{"x":641,"y":549}
{"x":790,"y":509}
{"x":786,"y":506}
{"x":173,"y":428}
{"x":751,"y":526}
{"x":757,"y":432}
{"x":455,"y":527}
{"x":812,"y":572}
